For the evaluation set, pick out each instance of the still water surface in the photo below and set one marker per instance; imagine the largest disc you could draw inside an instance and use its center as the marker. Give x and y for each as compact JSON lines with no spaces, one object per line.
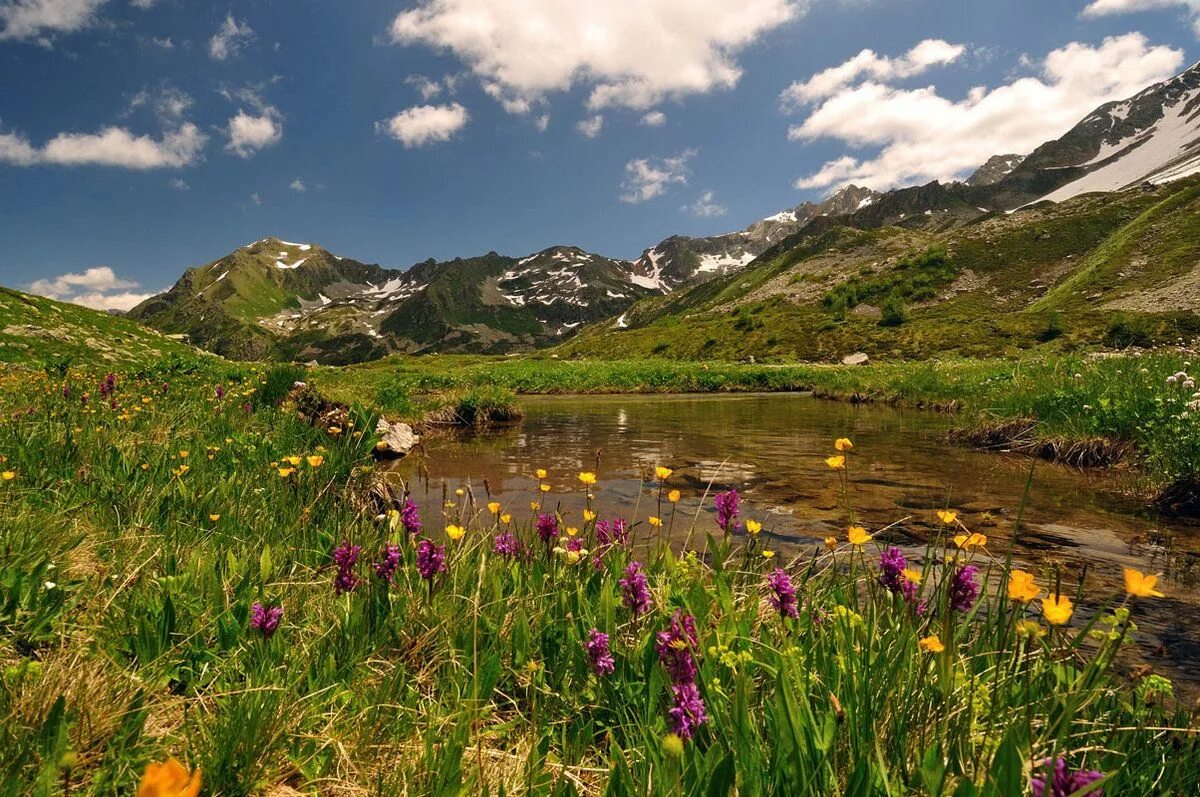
{"x":772,"y":448}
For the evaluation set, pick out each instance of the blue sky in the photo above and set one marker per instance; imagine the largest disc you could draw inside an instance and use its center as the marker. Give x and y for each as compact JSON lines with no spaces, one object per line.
{"x":151,"y":135}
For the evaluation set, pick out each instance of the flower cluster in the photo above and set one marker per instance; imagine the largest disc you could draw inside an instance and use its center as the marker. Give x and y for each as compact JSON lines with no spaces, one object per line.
{"x":265,"y":619}
{"x":410,"y":517}
{"x":431,"y":559}
{"x":389,"y":560}
{"x":635,"y":593}
{"x":783,"y":593}
{"x":599,"y":657}
{"x":1062,"y":782}
{"x":675,"y":648}
{"x":345,"y":556}
{"x":727,"y":509}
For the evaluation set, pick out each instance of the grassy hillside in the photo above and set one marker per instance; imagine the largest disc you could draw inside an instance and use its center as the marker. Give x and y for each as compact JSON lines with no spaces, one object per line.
{"x":1054,"y":277}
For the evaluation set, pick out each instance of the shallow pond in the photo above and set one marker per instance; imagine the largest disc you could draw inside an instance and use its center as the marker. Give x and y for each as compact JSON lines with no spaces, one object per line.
{"x":772,"y":448}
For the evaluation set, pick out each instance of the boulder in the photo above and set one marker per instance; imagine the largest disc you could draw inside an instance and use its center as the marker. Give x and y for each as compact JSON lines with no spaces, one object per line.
{"x":395,"y":439}
{"x":857,"y":358}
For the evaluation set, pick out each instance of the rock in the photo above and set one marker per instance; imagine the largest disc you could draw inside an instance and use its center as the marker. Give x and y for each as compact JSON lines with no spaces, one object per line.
{"x":395,"y":439}
{"x":857,"y":358}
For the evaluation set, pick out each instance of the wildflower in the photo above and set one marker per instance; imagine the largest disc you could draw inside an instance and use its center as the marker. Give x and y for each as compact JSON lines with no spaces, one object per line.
{"x":541,"y":474}
{"x":587,"y":478}
{"x":293,"y":460}
{"x":1030,"y":629}
{"x":831,"y":543}
{"x":843,"y":444}
{"x":655,"y":521}
{"x":1057,"y":609}
{"x":506,"y":519}
{"x":534,"y":505}
{"x":8,"y":475}
{"x":687,"y":714}
{"x":410,"y":517}
{"x":265,"y":619}
{"x":599,"y":657}
{"x":675,"y":646}
{"x":931,"y":644}
{"x":455,"y":533}
{"x":547,"y":527}
{"x":315,"y":461}
{"x":891,"y":568}
{"x":214,"y":517}
{"x":947,"y":516}
{"x":972,"y":540}
{"x":283,"y":472}
{"x":1140,"y":585}
{"x":1021,"y":587}
{"x":783,"y":593}
{"x":389,"y":560}
{"x":181,"y":470}
{"x":753,"y":527}
{"x":635,"y":593}
{"x":674,"y":496}
{"x":727,"y":508}
{"x":963,"y":589}
{"x":615,"y":532}
{"x":431,"y":559}
{"x":588,"y":516}
{"x":857,"y":535}
{"x":1062,"y":782}
{"x":219,"y":392}
{"x":572,"y":531}
{"x":673,"y":745}
{"x":169,"y":779}
{"x":505,"y":544}
{"x":662,"y":473}
{"x":768,"y":554}
{"x":494,"y":507}
{"x":345,"y":556}
{"x":545,"y":488}
{"x":837,"y":462}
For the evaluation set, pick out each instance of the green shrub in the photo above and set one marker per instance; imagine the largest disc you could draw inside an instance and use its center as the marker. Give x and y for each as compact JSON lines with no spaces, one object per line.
{"x":893,"y":313}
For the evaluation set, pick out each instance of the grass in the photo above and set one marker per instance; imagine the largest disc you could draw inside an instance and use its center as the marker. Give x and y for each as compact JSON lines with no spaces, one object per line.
{"x":137,"y":533}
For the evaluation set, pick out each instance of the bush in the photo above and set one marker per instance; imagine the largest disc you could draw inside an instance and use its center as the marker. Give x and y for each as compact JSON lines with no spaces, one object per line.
{"x":893,"y":312}
{"x":1053,"y":329}
{"x":1127,"y":331}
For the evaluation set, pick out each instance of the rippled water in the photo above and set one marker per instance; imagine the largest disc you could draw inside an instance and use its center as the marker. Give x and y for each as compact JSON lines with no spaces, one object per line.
{"x":772,"y":449}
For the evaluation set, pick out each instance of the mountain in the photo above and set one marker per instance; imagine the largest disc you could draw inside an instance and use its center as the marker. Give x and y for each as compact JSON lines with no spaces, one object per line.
{"x":995,"y":169}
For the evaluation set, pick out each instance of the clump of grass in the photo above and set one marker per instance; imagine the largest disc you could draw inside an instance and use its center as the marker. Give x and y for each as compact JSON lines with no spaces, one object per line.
{"x":477,"y":408}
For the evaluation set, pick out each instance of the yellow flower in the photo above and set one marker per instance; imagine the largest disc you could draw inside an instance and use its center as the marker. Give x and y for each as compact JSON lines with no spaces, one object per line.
{"x":843,"y":444}
{"x":857,"y":535}
{"x":545,"y":488}
{"x":655,"y":521}
{"x":184,"y":454}
{"x":1030,"y":629}
{"x":572,"y":531}
{"x":1140,"y":585}
{"x":1021,"y":587}
{"x":294,"y":461}
{"x":931,"y":644}
{"x":506,"y":519}
{"x":673,"y":496}
{"x":534,"y":505}
{"x":837,"y":463}
{"x":947,"y":516}
{"x":753,"y":527}
{"x":588,"y":515}
{"x":494,"y":507}
{"x":181,"y":470}
{"x":214,"y":518}
{"x":587,"y":477}
{"x":455,"y":532}
{"x":1057,"y":609}
{"x":541,"y":473}
{"x":831,"y":543}
{"x":145,"y":466}
{"x":673,"y":745}
{"x":315,"y":461}
{"x":335,"y":430}
{"x":171,"y":779}
{"x":911,"y":575}
{"x":460,"y":492}
{"x":972,"y":540}
{"x":285,"y":472}
{"x":662,"y":473}
{"x":8,"y":475}
{"x":768,"y":554}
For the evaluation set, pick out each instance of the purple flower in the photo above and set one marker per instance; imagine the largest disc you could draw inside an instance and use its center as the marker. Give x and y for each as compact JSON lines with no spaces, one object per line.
{"x":66,"y":391}
{"x":389,"y":560}
{"x":410,"y":517}
{"x":611,"y":533}
{"x":727,"y":508}
{"x":635,"y":593}
{"x":891,"y":569}
{"x":687,"y":714}
{"x":345,"y":556}
{"x":265,"y":619}
{"x":574,"y":544}
{"x":220,"y":392}
{"x":783,"y":593}
{"x":506,"y":545}
{"x":108,"y":385}
{"x":599,"y":657}
{"x":675,"y":646}
{"x":431,"y":559}
{"x":246,"y":408}
{"x":547,"y":527}
{"x":963,"y":589}
{"x":1063,"y":782}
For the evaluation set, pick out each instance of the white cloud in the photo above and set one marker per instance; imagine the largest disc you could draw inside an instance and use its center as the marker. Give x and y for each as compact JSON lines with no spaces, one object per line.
{"x":633,"y":53}
{"x":112,"y":146}
{"x":248,"y":133}
{"x":179,"y":185}
{"x":425,"y":124}
{"x":706,"y":206}
{"x":427,"y":88}
{"x":591,"y":126}
{"x":542,"y":122}
{"x":918,"y":134}
{"x":98,"y":287}
{"x":1104,"y":8}
{"x":169,"y":103}
{"x":654,"y":119}
{"x":926,"y":54}
{"x":647,"y":178}
{"x":164,"y":43}
{"x":298,"y":186}
{"x":230,"y":38}
{"x":142,"y":4}
{"x":255,"y":198}
{"x":32,"y":19}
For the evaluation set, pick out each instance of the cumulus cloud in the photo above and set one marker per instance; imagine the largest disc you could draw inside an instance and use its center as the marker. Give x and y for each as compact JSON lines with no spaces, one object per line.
{"x":706,"y":206}
{"x":647,"y":178}
{"x":112,"y":146}
{"x":591,"y":126}
{"x":925,"y":55}
{"x":654,"y":119}
{"x":249,"y":132}
{"x":179,"y":185}
{"x":425,"y":124}
{"x":632,"y":53}
{"x":298,"y":186}
{"x":37,"y":19}
{"x":98,"y":287}
{"x":542,"y":122}
{"x":142,"y":4}
{"x":428,"y":88}
{"x":169,"y":103}
{"x":918,"y":134}
{"x":255,"y":198}
{"x":230,"y":38}
{"x":1104,"y":8}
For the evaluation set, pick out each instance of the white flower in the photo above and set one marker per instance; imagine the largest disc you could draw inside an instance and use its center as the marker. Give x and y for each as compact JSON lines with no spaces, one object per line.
{"x":49,"y":585}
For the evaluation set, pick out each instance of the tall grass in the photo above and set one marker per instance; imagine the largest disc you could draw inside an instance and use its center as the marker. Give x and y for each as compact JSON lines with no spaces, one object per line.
{"x":130,"y":572}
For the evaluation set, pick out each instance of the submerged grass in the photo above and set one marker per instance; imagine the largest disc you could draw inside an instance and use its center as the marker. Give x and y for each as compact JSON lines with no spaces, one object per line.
{"x":190,"y":571}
